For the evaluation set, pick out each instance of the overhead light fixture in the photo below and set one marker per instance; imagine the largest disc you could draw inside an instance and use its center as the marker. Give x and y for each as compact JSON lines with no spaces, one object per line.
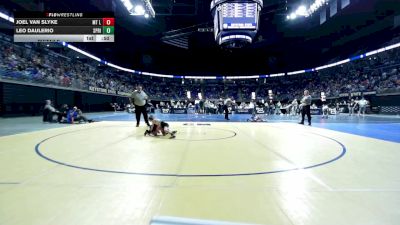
{"x":149,"y":8}
{"x":128,"y":5}
{"x":146,"y":15}
{"x":306,"y":12}
{"x":142,"y":8}
{"x":316,"y":5}
{"x":301,"y":11}
{"x":139,"y":10}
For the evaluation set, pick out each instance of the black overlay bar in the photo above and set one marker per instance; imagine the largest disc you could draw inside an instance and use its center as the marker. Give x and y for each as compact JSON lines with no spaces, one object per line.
{"x":58,"y":22}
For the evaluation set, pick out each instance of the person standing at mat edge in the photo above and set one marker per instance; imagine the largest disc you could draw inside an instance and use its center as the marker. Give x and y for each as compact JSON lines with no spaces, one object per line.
{"x":305,"y":107}
{"x":227,"y":104}
{"x":139,"y":98}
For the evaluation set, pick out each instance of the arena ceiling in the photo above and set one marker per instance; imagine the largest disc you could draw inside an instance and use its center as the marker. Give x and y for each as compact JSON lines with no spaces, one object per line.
{"x":171,"y":42}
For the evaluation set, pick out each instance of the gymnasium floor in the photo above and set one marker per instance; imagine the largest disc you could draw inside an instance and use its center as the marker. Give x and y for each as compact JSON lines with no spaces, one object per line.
{"x":343,"y":170}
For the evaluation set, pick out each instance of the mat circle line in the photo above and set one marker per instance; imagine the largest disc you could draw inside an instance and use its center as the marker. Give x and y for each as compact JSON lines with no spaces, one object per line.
{"x":38,"y":152}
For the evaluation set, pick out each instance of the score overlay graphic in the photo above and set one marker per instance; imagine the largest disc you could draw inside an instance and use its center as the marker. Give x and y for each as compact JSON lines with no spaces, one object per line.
{"x":64,"y":27}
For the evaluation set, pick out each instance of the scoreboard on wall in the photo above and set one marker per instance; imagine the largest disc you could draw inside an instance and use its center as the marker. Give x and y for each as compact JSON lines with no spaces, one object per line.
{"x":63,"y":27}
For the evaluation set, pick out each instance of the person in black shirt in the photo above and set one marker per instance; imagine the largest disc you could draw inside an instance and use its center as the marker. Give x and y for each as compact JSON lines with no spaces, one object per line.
{"x":227,"y":104}
{"x":63,"y":113}
{"x":305,"y":107}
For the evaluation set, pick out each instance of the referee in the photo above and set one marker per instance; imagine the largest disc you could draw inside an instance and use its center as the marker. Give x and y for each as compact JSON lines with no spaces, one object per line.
{"x":305,"y":107}
{"x":227,"y":103}
{"x":139,"y":98}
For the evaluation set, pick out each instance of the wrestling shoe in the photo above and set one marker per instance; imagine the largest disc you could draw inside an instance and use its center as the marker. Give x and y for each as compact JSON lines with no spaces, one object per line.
{"x":173,"y":135}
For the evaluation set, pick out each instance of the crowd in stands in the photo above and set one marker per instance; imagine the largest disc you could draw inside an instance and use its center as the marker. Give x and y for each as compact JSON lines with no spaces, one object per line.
{"x":25,"y":63}
{"x":378,"y":73}
{"x":39,"y":64}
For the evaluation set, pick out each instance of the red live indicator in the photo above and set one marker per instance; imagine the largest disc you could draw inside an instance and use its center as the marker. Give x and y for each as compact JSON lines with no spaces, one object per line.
{"x":108,"y":21}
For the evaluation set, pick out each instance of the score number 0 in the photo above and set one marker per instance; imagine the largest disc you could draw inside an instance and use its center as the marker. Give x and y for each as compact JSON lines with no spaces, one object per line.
{"x":108,"y":21}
